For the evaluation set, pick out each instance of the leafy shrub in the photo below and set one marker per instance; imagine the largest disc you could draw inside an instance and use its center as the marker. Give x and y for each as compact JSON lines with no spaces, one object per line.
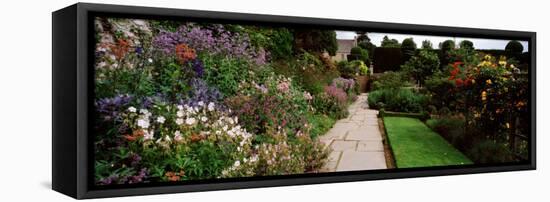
{"x":399,"y":100}
{"x":352,"y":69}
{"x":225,"y":73}
{"x":313,"y":40}
{"x":422,"y":65}
{"x":276,"y":103}
{"x":389,"y":80}
{"x":330,"y":106}
{"x":308,"y":71}
{"x":358,"y":53}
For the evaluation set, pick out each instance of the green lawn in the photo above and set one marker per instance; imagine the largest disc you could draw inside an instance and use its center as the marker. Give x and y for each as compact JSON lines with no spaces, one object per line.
{"x":416,"y":145}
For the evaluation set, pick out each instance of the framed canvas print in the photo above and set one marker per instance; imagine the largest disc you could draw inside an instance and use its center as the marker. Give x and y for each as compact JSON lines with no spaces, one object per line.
{"x":156,"y":100}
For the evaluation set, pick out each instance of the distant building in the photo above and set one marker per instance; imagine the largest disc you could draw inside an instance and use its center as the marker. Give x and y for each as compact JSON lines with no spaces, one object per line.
{"x":344,"y":49}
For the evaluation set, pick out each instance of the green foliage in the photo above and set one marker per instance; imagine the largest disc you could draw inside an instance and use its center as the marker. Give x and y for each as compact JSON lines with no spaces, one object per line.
{"x":422,"y":65}
{"x":447,"y":45}
{"x":440,"y":88}
{"x":387,"y":59}
{"x":514,"y":47}
{"x":389,"y":80}
{"x":330,"y":106}
{"x":465,"y":44}
{"x":408,"y":46}
{"x":352,"y":69}
{"x":390,"y":43}
{"x":320,"y":124}
{"x":281,"y":44}
{"x":123,"y":81}
{"x":398,"y":100}
{"x":316,"y":40}
{"x":427,"y":44}
{"x":225,"y":73}
{"x":357,"y":53}
{"x":308,"y":70}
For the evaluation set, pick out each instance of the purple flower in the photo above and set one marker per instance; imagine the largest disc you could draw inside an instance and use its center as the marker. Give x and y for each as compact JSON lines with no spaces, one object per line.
{"x":212,"y":39}
{"x":109,"y":108}
{"x":200,"y":91}
{"x":340,"y":95}
{"x":139,"y":50}
{"x":198,"y":67}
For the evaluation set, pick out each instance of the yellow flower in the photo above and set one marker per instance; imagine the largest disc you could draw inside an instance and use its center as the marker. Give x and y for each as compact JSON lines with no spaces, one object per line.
{"x":489,"y":82}
{"x":483,"y":95}
{"x":502,"y":62}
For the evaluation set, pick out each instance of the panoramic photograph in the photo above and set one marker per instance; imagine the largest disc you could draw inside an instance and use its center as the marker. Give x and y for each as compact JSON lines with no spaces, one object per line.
{"x":184,"y":101}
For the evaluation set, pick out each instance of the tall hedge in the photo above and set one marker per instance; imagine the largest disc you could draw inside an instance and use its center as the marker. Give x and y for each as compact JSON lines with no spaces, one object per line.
{"x":387,"y":59}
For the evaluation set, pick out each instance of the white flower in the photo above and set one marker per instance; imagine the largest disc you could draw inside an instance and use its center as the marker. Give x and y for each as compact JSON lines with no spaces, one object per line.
{"x":200,"y":103}
{"x":161,"y":119}
{"x":167,"y":138}
{"x":150,"y":60}
{"x":190,"y":121}
{"x":204,"y":119}
{"x":144,"y":111}
{"x":237,"y":163}
{"x":254,"y":158}
{"x":231,"y":133}
{"x":180,"y":107}
{"x":179,"y":113}
{"x":224,"y":128}
{"x":177,"y":135}
{"x":148,"y":135}
{"x":143,"y":123}
{"x":218,"y":132}
{"x":211,"y":106}
{"x":132,"y":109}
{"x":179,"y":121}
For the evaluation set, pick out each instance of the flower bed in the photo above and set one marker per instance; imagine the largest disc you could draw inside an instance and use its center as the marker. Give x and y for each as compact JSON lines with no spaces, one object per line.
{"x":201,"y":102}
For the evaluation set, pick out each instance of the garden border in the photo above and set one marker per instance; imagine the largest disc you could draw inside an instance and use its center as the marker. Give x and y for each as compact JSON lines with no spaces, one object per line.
{"x":72,"y":99}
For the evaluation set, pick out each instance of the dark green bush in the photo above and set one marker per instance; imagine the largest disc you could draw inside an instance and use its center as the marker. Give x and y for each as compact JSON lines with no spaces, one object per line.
{"x":398,"y":100}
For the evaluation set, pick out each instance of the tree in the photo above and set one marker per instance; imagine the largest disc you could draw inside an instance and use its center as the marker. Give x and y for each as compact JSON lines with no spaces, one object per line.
{"x":514,"y":47}
{"x":447,"y":45}
{"x":390,"y":43}
{"x":465,"y":44}
{"x":421,"y":66}
{"x":316,"y":40}
{"x":427,"y":44}
{"x":357,"y":53}
{"x":362,"y":37}
{"x":408,"y":46}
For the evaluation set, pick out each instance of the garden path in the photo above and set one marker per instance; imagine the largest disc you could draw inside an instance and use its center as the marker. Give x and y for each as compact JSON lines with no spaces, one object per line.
{"x":356,"y":141}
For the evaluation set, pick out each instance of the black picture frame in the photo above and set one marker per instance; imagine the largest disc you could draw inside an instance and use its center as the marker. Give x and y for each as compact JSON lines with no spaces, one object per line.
{"x":72,"y":99}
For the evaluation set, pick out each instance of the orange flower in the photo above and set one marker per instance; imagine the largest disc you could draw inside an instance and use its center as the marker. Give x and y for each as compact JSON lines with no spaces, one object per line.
{"x":134,"y":135}
{"x":120,"y":49}
{"x":184,"y":53}
{"x":173,"y":176}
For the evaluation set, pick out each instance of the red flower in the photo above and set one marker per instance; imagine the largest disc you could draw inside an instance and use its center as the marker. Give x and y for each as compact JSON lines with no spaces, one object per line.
{"x":459,"y":82}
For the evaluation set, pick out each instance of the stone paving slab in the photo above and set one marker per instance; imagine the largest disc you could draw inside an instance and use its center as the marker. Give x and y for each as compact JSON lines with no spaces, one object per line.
{"x":341,"y":145}
{"x":369,"y":145}
{"x":356,"y":141}
{"x":355,"y":160}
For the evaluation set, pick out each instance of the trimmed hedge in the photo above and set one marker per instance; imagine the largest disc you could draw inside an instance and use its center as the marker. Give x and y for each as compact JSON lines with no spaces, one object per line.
{"x":387,"y":59}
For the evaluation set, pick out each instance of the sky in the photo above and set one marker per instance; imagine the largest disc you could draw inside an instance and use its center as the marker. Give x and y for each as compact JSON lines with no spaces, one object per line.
{"x":479,"y":43}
